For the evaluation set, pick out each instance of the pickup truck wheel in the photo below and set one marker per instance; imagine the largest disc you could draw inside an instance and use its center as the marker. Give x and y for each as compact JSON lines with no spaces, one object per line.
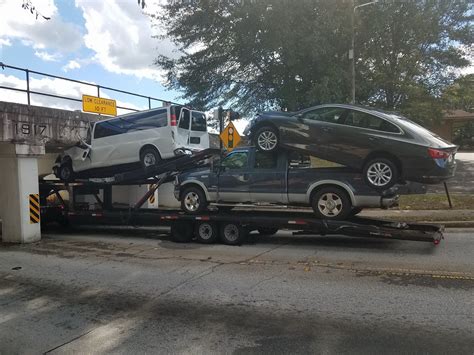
{"x":193,"y":200}
{"x":233,"y":233}
{"x":149,"y":157}
{"x":267,"y":231}
{"x":206,"y":232}
{"x":182,"y":232}
{"x":381,"y":173}
{"x":65,"y":172}
{"x":266,"y":139}
{"x":331,"y":203}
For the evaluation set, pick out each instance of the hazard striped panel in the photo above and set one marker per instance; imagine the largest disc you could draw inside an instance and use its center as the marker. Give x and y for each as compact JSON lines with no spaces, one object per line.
{"x":151,"y":199}
{"x":34,"y":208}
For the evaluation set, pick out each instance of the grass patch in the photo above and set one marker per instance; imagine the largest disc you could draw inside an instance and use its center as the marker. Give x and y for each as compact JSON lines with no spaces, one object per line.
{"x":436,"y":202}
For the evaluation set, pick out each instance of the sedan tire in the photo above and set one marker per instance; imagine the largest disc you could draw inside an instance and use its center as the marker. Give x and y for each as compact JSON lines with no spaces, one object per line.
{"x":381,"y":173}
{"x":193,"y":200}
{"x":266,"y":139}
{"x":331,"y":203}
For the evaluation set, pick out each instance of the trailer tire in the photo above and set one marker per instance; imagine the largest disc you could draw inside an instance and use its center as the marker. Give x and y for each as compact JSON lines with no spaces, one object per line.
{"x":232,"y":233}
{"x":267,"y":231}
{"x":182,"y":232}
{"x":331,"y":202}
{"x":206,"y":232}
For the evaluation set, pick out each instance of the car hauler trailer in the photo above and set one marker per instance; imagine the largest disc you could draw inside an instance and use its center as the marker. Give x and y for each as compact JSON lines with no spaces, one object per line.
{"x":231,"y":228}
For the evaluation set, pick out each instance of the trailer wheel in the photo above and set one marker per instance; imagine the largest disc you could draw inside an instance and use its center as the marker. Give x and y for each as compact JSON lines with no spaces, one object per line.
{"x":182,"y":232}
{"x":206,"y":232}
{"x":233,"y":233}
{"x":267,"y":231}
{"x":331,"y":203}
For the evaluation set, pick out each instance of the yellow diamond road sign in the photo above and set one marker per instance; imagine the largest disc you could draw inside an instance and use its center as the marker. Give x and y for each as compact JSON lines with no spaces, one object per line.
{"x":230,"y":137}
{"x":99,"y":105}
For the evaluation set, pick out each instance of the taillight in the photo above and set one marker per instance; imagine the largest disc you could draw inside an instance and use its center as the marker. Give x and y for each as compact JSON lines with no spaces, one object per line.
{"x":438,"y":154}
{"x":173,"y":120}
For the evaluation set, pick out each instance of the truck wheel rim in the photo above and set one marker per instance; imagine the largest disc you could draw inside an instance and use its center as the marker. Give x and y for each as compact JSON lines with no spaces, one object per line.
{"x":149,"y":159}
{"x":191,"y":201}
{"x":330,"y":204}
{"x":379,"y":174}
{"x":267,"y":140}
{"x":231,"y":232}
{"x":205,"y":231}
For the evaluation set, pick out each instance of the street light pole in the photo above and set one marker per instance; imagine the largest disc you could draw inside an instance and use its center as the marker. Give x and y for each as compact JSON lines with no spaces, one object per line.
{"x":351,"y":51}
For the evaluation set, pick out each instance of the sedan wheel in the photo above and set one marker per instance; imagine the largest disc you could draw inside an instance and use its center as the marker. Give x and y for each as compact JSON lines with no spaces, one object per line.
{"x":266,"y":139}
{"x":380,"y":174}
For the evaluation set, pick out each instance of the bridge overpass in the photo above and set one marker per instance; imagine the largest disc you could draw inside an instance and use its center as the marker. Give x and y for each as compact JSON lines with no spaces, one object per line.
{"x":30,"y":139}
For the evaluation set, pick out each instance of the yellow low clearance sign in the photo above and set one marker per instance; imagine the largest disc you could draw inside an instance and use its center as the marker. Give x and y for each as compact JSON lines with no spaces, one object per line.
{"x":230,"y":137}
{"x":99,"y":105}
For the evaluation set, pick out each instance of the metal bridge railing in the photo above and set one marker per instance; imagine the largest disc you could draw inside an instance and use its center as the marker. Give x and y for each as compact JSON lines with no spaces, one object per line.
{"x":29,"y":92}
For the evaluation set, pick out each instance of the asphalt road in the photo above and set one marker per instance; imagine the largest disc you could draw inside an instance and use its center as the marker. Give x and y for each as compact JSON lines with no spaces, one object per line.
{"x":106,"y":292}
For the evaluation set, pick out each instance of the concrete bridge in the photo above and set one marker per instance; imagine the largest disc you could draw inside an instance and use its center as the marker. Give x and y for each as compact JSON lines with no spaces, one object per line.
{"x":30,"y":139}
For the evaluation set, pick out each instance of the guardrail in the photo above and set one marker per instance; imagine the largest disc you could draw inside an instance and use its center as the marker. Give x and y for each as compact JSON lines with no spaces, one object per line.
{"x":29,"y":92}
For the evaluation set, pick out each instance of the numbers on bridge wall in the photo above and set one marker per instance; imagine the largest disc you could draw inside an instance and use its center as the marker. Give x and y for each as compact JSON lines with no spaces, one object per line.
{"x":28,"y":129}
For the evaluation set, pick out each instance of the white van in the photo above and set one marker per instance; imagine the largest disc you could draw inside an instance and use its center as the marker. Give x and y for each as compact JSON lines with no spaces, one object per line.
{"x":145,"y":137}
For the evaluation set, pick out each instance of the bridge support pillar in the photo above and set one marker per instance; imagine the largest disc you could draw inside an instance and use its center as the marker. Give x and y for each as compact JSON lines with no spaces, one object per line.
{"x":19,"y":197}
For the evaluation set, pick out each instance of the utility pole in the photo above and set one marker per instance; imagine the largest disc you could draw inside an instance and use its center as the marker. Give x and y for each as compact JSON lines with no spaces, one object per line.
{"x":351,"y":50}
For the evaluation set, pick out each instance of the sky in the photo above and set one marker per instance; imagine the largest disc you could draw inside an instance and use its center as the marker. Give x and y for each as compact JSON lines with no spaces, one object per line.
{"x":105,"y":42}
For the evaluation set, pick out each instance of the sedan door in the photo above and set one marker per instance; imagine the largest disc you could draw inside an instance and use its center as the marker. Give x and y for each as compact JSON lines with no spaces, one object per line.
{"x":234,"y":178}
{"x":323,"y":125}
{"x":362,"y":134}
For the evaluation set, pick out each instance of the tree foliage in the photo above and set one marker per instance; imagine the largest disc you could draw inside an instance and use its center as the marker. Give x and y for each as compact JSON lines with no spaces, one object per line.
{"x":287,"y":54}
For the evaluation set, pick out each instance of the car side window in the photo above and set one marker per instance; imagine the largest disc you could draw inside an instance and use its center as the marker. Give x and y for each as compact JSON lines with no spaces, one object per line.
{"x":108,"y":128}
{"x":326,"y":114}
{"x":237,"y":160}
{"x":184,"y":121}
{"x":146,"y":120}
{"x":265,"y":160}
{"x":365,"y":120}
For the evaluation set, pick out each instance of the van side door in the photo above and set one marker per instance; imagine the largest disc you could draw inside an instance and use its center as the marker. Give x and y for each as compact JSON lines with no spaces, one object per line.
{"x":183,"y":129}
{"x":198,"y":135}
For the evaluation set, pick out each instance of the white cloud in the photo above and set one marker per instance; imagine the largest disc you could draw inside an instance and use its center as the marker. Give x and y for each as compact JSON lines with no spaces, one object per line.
{"x":48,"y":57}
{"x":120,"y":34}
{"x":17,"y":23}
{"x":54,"y":86}
{"x":5,"y":42}
{"x":71,"y":65}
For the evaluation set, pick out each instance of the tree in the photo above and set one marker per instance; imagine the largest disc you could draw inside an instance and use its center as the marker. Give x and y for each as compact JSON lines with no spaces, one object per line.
{"x":460,"y":95}
{"x":407,"y":51}
{"x":283,"y":54}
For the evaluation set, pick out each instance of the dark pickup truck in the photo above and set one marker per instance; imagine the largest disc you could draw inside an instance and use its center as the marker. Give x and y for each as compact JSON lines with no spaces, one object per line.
{"x":250,"y":176}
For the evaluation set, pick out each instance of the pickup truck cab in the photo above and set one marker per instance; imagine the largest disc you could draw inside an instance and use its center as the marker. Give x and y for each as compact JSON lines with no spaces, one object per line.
{"x":250,"y":176}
